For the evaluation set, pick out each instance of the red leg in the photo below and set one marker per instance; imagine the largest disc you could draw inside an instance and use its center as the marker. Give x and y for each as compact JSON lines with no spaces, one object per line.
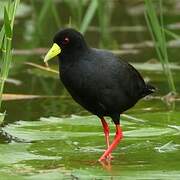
{"x":115,"y":142}
{"x":106,"y":131}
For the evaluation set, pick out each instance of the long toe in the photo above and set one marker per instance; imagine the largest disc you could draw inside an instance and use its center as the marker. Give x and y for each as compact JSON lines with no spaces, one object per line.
{"x":110,"y":157}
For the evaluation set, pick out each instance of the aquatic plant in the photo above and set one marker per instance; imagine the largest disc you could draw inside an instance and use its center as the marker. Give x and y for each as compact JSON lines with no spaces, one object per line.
{"x":6,"y":35}
{"x":81,"y":13}
{"x":156,"y":28}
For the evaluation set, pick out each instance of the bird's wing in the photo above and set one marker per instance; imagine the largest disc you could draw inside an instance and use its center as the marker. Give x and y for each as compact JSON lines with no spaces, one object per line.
{"x":132,"y":82}
{"x":117,"y":74}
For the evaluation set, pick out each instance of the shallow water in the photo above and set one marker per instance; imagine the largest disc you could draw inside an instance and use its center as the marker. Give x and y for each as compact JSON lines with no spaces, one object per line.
{"x":54,"y":137}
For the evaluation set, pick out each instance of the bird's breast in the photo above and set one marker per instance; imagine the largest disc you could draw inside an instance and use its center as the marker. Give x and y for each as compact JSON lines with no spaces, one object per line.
{"x":74,"y":79}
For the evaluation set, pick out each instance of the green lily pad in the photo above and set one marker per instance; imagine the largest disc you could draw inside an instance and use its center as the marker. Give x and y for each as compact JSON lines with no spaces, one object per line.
{"x":69,"y":147}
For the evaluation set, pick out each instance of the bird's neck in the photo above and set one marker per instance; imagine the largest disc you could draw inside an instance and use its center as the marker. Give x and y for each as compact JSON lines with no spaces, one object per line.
{"x":70,"y":57}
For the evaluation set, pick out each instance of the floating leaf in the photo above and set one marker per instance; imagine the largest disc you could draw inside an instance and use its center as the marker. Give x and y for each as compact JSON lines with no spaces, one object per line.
{"x":168,"y":147}
{"x":69,"y":146}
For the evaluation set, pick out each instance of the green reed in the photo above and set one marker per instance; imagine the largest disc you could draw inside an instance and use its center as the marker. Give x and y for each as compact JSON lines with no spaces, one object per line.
{"x":156,"y":28}
{"x":89,"y":14}
{"x":6,"y":35}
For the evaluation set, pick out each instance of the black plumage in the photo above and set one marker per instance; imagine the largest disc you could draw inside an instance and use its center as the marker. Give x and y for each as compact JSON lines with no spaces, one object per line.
{"x":99,"y":81}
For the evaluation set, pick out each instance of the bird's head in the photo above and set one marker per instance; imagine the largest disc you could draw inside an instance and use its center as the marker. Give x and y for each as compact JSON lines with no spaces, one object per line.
{"x":66,"y":41}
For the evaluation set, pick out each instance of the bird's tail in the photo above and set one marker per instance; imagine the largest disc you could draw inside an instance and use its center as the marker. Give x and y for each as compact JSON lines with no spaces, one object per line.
{"x":149,"y":89}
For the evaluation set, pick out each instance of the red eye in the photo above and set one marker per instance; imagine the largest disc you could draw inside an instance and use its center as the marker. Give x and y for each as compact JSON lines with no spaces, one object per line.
{"x":65,"y":41}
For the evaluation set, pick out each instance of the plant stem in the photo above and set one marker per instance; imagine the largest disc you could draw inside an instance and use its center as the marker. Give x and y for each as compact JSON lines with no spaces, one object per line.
{"x":156,"y":28}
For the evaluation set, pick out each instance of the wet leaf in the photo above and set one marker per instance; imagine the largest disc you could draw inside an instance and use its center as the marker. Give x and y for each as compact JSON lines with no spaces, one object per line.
{"x":68,"y":147}
{"x":168,"y":147}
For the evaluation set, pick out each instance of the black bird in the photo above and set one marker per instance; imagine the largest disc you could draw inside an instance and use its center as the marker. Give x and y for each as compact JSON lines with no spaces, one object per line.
{"x":96,"y":79}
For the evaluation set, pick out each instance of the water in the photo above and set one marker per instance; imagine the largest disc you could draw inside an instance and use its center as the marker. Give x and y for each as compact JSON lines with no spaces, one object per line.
{"x":67,"y":146}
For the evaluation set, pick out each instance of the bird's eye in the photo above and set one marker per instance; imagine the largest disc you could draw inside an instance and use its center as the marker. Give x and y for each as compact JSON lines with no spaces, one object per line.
{"x":65,"y":41}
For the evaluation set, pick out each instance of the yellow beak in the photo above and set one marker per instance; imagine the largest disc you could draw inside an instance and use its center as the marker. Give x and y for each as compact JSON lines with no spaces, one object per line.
{"x":54,"y":51}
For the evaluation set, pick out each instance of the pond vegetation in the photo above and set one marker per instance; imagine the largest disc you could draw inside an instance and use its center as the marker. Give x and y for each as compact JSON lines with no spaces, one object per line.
{"x":6,"y":35}
{"x":45,"y":134}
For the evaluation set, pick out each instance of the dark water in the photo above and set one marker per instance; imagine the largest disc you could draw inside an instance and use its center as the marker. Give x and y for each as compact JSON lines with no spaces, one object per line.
{"x":139,"y":154}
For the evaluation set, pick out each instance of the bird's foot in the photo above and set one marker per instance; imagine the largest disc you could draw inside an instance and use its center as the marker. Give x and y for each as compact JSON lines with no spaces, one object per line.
{"x":109,"y":158}
{"x":115,"y":142}
{"x":106,"y":165}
